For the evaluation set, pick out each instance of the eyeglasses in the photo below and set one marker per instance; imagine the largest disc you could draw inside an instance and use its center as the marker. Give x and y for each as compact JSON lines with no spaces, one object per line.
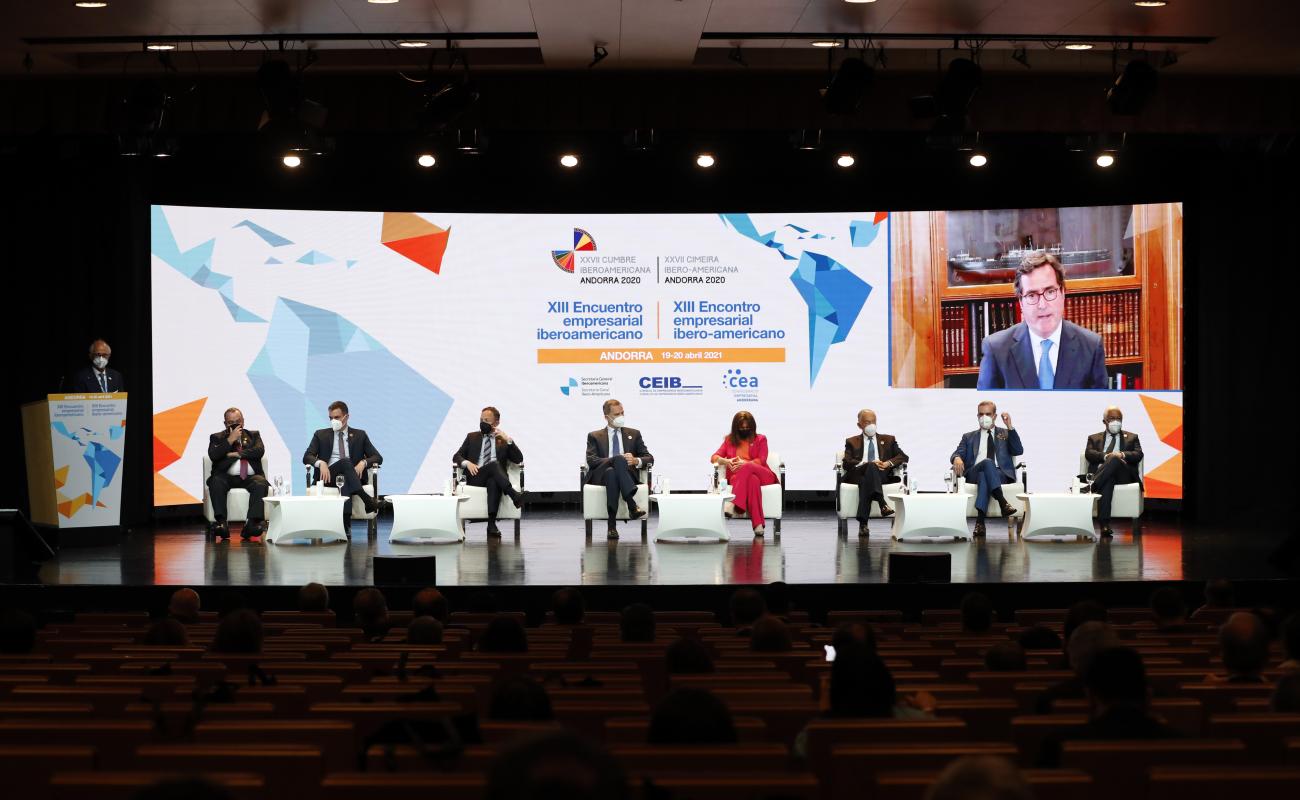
{"x":1032,"y":298}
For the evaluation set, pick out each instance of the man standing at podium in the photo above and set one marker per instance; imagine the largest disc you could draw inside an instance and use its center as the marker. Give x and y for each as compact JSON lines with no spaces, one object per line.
{"x":986,"y":457}
{"x":342,"y":450}
{"x":614,"y":453}
{"x":96,"y":377}
{"x":484,"y":456}
{"x":236,"y":456}
{"x":1113,"y":456}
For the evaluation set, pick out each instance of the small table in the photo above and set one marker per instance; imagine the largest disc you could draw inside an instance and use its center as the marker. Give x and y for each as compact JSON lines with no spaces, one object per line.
{"x":426,"y":519}
{"x":691,"y":518}
{"x":305,"y":520}
{"x":929,"y":517}
{"x":1056,"y":517}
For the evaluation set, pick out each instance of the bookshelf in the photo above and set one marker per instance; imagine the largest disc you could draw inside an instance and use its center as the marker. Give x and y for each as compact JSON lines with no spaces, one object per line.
{"x":939,"y":323}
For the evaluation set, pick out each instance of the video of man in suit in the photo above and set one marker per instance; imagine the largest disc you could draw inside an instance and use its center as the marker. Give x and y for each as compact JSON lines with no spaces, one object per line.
{"x":1069,"y":298}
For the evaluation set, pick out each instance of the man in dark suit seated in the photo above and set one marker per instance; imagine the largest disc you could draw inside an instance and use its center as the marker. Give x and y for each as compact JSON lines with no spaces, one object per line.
{"x":986,"y":457}
{"x":1118,"y":705}
{"x":343,"y":450}
{"x":614,"y":454}
{"x":869,"y":461}
{"x":96,"y":377}
{"x":1113,"y":456}
{"x":1043,"y":350}
{"x":482,"y":455}
{"x":236,"y":456}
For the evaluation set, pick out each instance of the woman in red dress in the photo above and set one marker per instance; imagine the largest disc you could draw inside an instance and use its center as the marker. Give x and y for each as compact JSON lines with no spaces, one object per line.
{"x":744,"y":454}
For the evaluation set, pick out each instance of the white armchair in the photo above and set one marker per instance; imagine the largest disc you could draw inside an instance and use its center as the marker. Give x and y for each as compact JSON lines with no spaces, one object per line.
{"x":1126,"y":502}
{"x":773,"y":494}
{"x":476,"y":507}
{"x":371,"y":487}
{"x":236,"y":499}
{"x":1009,"y":490}
{"x":594,"y":499}
{"x":846,"y":494}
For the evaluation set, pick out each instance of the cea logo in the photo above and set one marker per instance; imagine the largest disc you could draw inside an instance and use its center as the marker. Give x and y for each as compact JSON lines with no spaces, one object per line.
{"x":734,"y":379}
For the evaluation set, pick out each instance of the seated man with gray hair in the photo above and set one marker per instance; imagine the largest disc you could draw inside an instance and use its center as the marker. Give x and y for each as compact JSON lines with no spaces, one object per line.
{"x":870,"y":459}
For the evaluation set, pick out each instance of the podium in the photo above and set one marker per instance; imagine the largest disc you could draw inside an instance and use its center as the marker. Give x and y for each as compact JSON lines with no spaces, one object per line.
{"x":75,"y":445}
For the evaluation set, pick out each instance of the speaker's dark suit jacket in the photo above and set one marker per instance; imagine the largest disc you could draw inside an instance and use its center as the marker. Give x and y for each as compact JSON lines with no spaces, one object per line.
{"x":598,"y":452}
{"x":1129,"y":446}
{"x":854,"y":455}
{"x":1006,"y":445}
{"x":219,"y":451}
{"x":473,"y":448}
{"x":359,"y":447}
{"x":85,"y":380}
{"x":1009,"y":362}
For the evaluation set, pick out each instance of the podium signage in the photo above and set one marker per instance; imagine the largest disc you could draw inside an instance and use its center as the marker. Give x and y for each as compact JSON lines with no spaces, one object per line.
{"x":75,"y":447}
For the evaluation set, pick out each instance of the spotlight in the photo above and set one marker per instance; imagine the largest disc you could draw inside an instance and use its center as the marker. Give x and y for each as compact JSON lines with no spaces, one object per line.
{"x":1020,"y":55}
{"x":159,"y":46}
{"x":1078,"y":46}
{"x":426,"y":160}
{"x":705,"y":160}
{"x":845,"y":160}
{"x":1150,"y":3}
{"x":382,"y":2}
{"x":735,"y":56}
{"x":291,"y":160}
{"x":826,"y":43}
{"x":469,"y":142}
{"x":953,"y":96}
{"x":88,"y":4}
{"x":1106,"y":159}
{"x":807,"y":140}
{"x":978,"y":159}
{"x":857,"y":2}
{"x":412,"y":43}
{"x":569,"y":160}
{"x":844,"y":93}
{"x":1132,"y":89}
{"x":640,"y":140}
{"x":598,"y":54}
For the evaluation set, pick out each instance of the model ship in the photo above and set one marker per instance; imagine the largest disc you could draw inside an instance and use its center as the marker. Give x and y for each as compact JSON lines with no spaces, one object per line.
{"x":965,"y":268}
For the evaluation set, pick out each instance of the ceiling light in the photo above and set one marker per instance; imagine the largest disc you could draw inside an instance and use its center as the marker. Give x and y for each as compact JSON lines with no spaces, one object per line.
{"x":426,"y":160}
{"x":412,"y":43}
{"x":1132,"y":89}
{"x":89,"y":4}
{"x":1106,"y":159}
{"x":978,"y":159}
{"x":383,"y":2}
{"x":292,"y":161}
{"x":569,"y":160}
{"x":845,"y":160}
{"x":705,"y":160}
{"x":160,"y":46}
{"x":859,"y":1}
{"x":826,"y":43}
{"x":1078,"y":46}
{"x":843,"y":95}
{"x":1150,"y":3}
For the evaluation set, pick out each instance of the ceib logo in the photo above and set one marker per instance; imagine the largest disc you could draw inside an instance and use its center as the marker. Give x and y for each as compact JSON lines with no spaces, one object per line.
{"x":582,"y":243}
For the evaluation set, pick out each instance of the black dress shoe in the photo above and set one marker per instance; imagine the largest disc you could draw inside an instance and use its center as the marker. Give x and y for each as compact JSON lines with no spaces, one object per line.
{"x":635,"y":512}
{"x":1007,"y":509}
{"x":367,"y":501}
{"x":252,"y":529}
{"x":613,"y":533}
{"x":886,"y":511}
{"x":492,"y":529}
{"x":518,"y":499}
{"x":978,"y":533}
{"x":1106,"y":532}
{"x":218,"y":530}
{"x":862,"y":530}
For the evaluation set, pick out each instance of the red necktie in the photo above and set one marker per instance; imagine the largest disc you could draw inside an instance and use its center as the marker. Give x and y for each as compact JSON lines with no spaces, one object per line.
{"x":243,"y":465}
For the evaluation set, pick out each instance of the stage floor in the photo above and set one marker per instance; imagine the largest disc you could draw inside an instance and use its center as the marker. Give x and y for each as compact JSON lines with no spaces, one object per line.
{"x":552,"y":551}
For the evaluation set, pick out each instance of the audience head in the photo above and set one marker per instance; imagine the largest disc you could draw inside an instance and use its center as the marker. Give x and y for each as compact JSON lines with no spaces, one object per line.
{"x":1167,"y":606}
{"x":691,"y":716}
{"x":976,"y":613}
{"x":482,"y":602}
{"x":314,"y":597}
{"x":1005,"y":657}
{"x":1086,"y":642}
{"x":1039,"y":637}
{"x":167,"y":631}
{"x":424,"y":630}
{"x":520,"y":699}
{"x":637,"y":623}
{"x":770,"y":636}
{"x":777,"y":597}
{"x":238,"y":632}
{"x":568,"y":606}
{"x":1243,"y":641}
{"x":1116,"y":675}
{"x":504,"y":634}
{"x":1079,"y":613}
{"x":861,"y":684}
{"x":370,"y":609}
{"x":1218,"y":593}
{"x":1291,"y":637}
{"x":688,"y":657}
{"x":17,"y":632}
{"x":555,"y":766}
{"x":746,"y":607}
{"x":430,"y":603}
{"x":848,"y":633}
{"x":1286,"y":696}
{"x":980,"y":778}
{"x":184,"y":606}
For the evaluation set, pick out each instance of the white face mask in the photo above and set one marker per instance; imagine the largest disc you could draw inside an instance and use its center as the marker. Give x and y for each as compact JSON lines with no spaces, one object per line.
{"x":100,"y":362}
{"x":336,"y":424}
{"x":870,"y":430}
{"x":986,"y":422}
{"x":1114,"y":426}
{"x":617,"y":422}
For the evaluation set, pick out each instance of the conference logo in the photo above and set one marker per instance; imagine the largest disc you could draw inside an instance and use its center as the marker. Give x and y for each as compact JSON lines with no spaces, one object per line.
{"x":741,"y":386}
{"x":583,"y":242}
{"x":588,"y":386}
{"x":668,"y":386}
{"x":569,"y":387}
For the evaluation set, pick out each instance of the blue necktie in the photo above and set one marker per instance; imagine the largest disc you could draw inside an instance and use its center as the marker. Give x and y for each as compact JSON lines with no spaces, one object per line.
{"x":615,"y":449}
{"x":1046,"y":377}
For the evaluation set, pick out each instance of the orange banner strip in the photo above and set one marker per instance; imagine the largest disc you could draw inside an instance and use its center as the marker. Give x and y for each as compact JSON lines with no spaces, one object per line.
{"x":660,"y":355}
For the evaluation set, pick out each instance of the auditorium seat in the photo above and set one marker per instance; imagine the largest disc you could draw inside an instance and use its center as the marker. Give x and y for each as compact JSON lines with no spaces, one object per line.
{"x":27,"y":767}
{"x":289,"y":770}
{"x":989,"y":717}
{"x":504,"y":732}
{"x":1056,"y":784}
{"x":588,"y":719}
{"x":113,"y":739}
{"x":123,"y":785}
{"x":853,"y":766}
{"x":1216,"y":783}
{"x":1118,"y":766}
{"x":335,"y":738}
{"x":1265,"y":734}
{"x":740,"y":759}
{"x":366,"y":718}
{"x":1184,"y":715}
{"x":756,"y":787}
{"x":402,"y":786}
{"x":1029,"y":732}
{"x":1218,"y":698}
{"x":824,"y":734}
{"x":410,"y":758}
{"x":633,"y":730}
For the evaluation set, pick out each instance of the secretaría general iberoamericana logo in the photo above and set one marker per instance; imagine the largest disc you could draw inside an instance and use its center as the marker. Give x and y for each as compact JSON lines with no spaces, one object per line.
{"x":582,"y":243}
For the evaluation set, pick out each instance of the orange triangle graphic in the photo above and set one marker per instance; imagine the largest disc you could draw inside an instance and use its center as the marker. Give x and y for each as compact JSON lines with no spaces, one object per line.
{"x":424,"y":250}
{"x":171,"y":431}
{"x":405,"y":225}
{"x":167,"y":493}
